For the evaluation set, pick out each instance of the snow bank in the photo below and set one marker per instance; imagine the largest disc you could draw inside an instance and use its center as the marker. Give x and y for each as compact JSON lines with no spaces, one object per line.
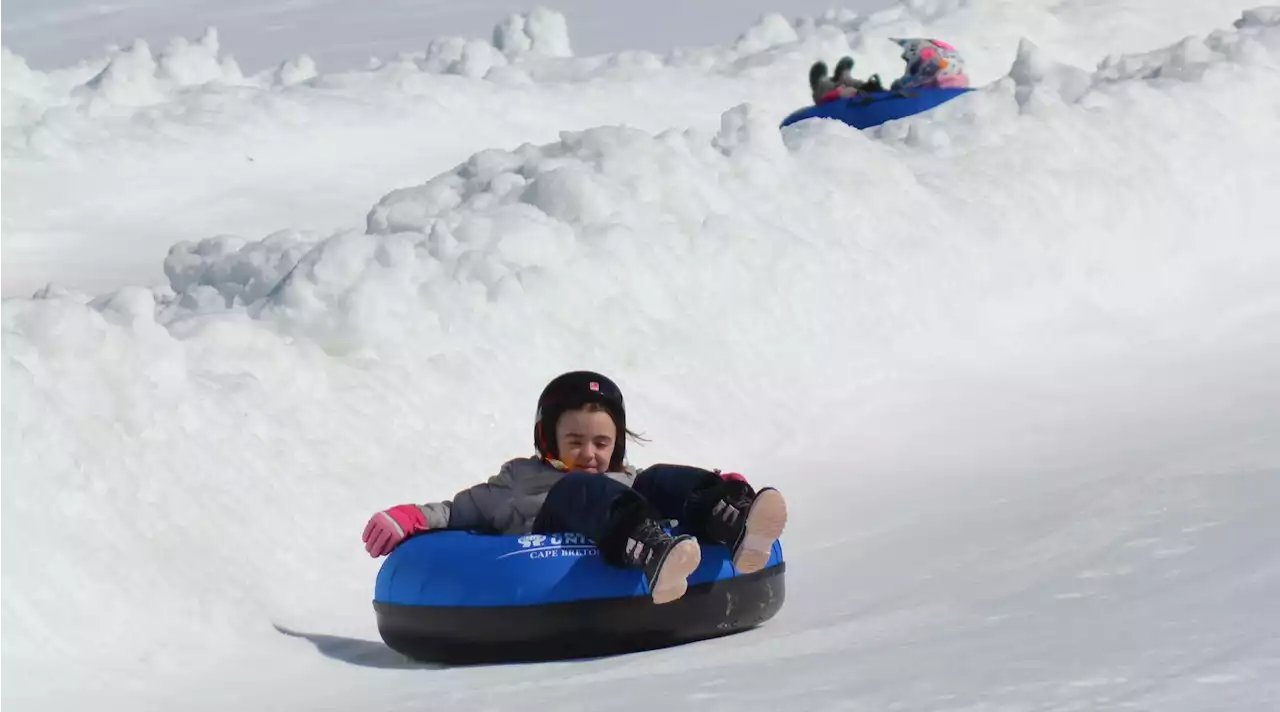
{"x":509,"y":228}
{"x":16,"y":71}
{"x":520,"y":38}
{"x":541,"y":32}
{"x":750,"y":218}
{"x":21,"y":103}
{"x":987,"y":32}
{"x":120,"y":132}
{"x":133,"y":76}
{"x":222,"y":272}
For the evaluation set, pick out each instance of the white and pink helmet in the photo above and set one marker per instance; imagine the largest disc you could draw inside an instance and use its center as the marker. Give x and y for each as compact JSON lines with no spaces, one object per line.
{"x":931,"y":63}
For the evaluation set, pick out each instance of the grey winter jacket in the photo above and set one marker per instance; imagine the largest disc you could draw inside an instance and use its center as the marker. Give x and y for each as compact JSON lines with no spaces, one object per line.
{"x":508,"y":502}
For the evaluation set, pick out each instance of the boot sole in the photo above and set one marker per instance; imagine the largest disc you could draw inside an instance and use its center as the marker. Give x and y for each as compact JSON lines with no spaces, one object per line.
{"x":765,"y":522}
{"x":673,"y":577}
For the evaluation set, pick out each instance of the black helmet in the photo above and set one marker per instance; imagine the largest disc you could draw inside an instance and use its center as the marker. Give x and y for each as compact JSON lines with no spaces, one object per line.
{"x":574,"y":390}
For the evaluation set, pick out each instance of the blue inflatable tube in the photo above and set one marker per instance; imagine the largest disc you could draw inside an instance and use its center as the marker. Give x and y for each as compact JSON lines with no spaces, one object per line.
{"x":462,"y":597}
{"x":864,"y":112}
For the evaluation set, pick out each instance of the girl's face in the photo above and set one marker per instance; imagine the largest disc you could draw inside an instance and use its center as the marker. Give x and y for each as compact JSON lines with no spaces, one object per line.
{"x":585,"y":439}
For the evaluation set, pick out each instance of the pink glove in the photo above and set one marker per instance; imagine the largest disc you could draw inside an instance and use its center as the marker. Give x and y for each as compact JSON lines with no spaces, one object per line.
{"x":731,"y":476}
{"x":388,"y":528}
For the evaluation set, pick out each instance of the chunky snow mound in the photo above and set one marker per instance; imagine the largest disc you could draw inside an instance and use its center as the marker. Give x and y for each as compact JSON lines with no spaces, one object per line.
{"x":167,"y":142}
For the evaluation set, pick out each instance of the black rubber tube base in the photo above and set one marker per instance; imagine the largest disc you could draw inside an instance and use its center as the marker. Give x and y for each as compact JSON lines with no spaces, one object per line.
{"x":558,"y":631}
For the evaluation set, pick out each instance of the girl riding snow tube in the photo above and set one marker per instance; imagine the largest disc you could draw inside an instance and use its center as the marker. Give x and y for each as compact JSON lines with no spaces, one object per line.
{"x":579,"y":481}
{"x":931,"y":64}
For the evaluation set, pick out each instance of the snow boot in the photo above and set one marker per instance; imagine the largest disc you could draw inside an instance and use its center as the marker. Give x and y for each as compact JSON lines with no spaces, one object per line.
{"x":666,"y":561}
{"x":818,"y":81}
{"x":843,"y":67}
{"x":748,"y":523}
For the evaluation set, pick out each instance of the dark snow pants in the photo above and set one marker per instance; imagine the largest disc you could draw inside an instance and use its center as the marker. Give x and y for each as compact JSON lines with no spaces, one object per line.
{"x":607,"y":510}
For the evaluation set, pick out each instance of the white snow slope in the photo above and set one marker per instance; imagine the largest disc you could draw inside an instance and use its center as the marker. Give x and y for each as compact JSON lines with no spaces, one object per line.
{"x":1015,"y":362}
